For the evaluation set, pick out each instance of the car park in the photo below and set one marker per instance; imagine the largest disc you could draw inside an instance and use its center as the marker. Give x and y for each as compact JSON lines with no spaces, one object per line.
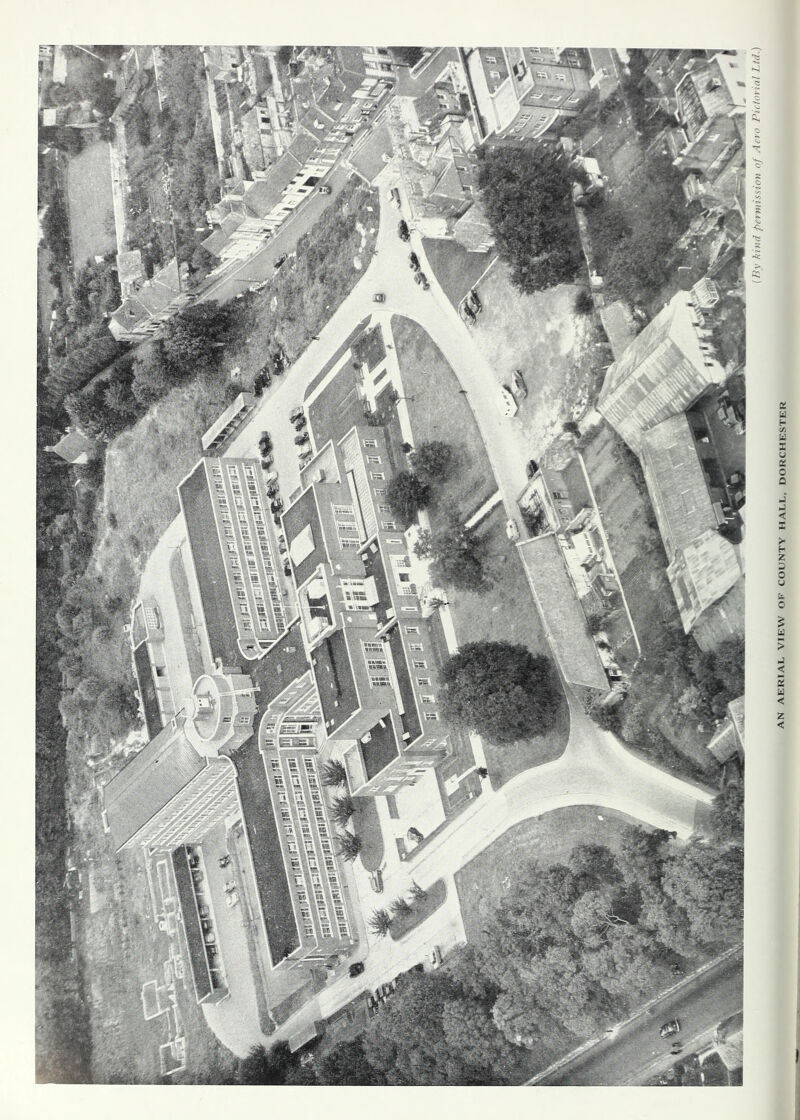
{"x":518,"y":386}
{"x":356,"y":968}
{"x":379,"y":297}
{"x":422,"y":279}
{"x":672,"y":1026}
{"x":413,"y":260}
{"x":403,"y":231}
{"x":508,"y":403}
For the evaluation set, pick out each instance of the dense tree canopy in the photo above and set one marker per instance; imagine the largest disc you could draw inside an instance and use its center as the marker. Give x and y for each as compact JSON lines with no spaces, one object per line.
{"x":456,"y":554}
{"x":527,"y":195}
{"x":500,"y":690}
{"x":406,"y":495}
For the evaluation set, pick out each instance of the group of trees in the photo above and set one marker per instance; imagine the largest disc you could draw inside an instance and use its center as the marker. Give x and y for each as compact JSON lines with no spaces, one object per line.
{"x":570,"y":950}
{"x":410,"y":491}
{"x":634,"y":234}
{"x":501,"y":690}
{"x":526,"y":192}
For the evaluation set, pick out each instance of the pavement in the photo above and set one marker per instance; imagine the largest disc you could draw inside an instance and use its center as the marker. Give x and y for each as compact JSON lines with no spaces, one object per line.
{"x":595,"y":769}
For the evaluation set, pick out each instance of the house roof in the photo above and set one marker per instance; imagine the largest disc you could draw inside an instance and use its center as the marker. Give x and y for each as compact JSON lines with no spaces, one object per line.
{"x":370,"y":157}
{"x":702,"y":573}
{"x":129,"y":266}
{"x":562,"y":613}
{"x":149,"y":782}
{"x":676,"y":483}
{"x":73,"y":445}
{"x":216,"y":241}
{"x":472,"y":230}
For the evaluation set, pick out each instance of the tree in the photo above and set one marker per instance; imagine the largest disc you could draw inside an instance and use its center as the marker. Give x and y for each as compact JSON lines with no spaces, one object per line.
{"x":406,"y":495}
{"x":266,"y":1067}
{"x":116,"y":710}
{"x":456,"y":554}
{"x":380,"y":922}
{"x":433,"y":461}
{"x":418,"y":893}
{"x":707,"y":882}
{"x":501,"y":690}
{"x":399,"y":906}
{"x":594,"y":865}
{"x":727,"y":814}
{"x":642,"y":854}
{"x":193,"y":339}
{"x":595,"y":913}
{"x":334,"y":773}
{"x":349,"y":845}
{"x":527,"y":195}
{"x":346,"y":1064}
{"x":342,"y":809}
{"x":406,"y":56}
{"x":472,"y":1035}
{"x":153,"y":375}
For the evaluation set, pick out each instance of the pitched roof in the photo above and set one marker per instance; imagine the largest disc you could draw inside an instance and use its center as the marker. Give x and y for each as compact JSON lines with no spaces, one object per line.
{"x":562,"y":613}
{"x":73,"y":445}
{"x":370,"y":158}
{"x":149,"y":782}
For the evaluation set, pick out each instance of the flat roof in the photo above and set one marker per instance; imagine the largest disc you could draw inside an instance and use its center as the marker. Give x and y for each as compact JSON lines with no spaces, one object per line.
{"x":338,"y":696}
{"x":147,"y":690}
{"x":209,"y":566}
{"x":272,"y":884}
{"x":382,"y":748}
{"x":198,"y":961}
{"x":301,"y":522}
{"x":283,"y":663}
{"x":410,"y":718}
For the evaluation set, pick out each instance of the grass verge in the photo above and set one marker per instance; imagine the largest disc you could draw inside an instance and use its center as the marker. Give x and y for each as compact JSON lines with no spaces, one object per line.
{"x":421,"y":909}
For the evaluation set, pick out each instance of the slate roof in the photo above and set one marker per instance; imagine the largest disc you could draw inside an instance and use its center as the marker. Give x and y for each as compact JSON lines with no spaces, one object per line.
{"x":562,"y":613}
{"x":367,"y":160}
{"x":676,"y":483}
{"x":148,"y":782}
{"x":73,"y":445}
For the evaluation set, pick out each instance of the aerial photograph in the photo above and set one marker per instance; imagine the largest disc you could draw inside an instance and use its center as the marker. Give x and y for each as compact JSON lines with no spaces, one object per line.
{"x":390,"y":527}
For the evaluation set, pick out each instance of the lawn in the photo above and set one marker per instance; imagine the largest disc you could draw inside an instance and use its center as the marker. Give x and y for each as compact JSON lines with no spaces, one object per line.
{"x":549,"y":838}
{"x":506,"y":612}
{"x":558,"y":351}
{"x":403,"y":924}
{"x":90,"y":203}
{"x":338,"y":407}
{"x":455,"y":268}
{"x":439,"y":411}
{"x":367,"y":826}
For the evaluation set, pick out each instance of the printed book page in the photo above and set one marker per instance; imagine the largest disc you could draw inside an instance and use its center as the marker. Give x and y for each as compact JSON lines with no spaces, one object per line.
{"x":412,"y":701}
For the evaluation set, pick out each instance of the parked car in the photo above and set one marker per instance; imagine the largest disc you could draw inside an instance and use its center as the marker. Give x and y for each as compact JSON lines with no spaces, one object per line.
{"x":394,"y":196}
{"x":508,"y":404}
{"x":267,"y":462}
{"x":302,"y":438}
{"x":466,"y":313}
{"x":296,"y":413}
{"x":281,"y":260}
{"x":356,"y":968}
{"x":287,"y":568}
{"x":272,"y":489}
{"x":512,"y":529}
{"x":669,"y":1028}
{"x":474,"y":301}
{"x":413,"y":260}
{"x":403,"y":231}
{"x":379,"y":297}
{"x":531,"y":467}
{"x":271,"y":479}
{"x":276,"y":505}
{"x":376,"y":881}
{"x":730,"y":414}
{"x":306,"y":456}
{"x":324,"y":190}
{"x":203,"y":911}
{"x":436,"y":956}
{"x":265,"y":443}
{"x":232,"y":899}
{"x":422,"y":279}
{"x":518,"y":386}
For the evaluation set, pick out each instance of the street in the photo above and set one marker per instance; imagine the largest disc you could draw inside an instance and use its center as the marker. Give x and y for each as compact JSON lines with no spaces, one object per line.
{"x":636,"y":1052}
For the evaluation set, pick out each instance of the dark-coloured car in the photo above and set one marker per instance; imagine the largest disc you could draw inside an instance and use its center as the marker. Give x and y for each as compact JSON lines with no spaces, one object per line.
{"x":296,"y":413}
{"x":324,"y":190}
{"x":474,"y":301}
{"x":303,"y":437}
{"x":413,"y":260}
{"x":281,"y":260}
{"x":466,"y":312}
{"x":531,"y":467}
{"x":422,"y":279}
{"x":669,"y":1028}
{"x":379,"y":297}
{"x":356,"y":969}
{"x":394,"y":197}
{"x":403,"y":231}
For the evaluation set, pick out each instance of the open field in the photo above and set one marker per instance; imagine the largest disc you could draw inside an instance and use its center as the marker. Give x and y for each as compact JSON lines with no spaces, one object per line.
{"x":560,"y":353}
{"x":549,"y":839}
{"x":90,"y":204}
{"x":439,"y":411}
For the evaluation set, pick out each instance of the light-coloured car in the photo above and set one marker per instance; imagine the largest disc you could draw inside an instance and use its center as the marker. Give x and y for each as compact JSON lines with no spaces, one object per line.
{"x":518,"y":386}
{"x":512,"y":529}
{"x":508,"y":403}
